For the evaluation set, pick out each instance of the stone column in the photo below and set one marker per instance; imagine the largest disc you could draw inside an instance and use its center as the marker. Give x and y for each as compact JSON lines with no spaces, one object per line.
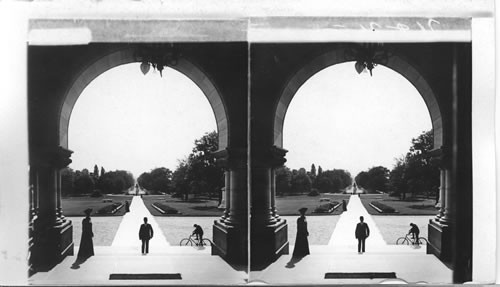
{"x":238,"y":205}
{"x":268,"y":236}
{"x":227,"y":194}
{"x":447,"y":210}
{"x":261,"y":196}
{"x":52,"y":234}
{"x":442,"y":187}
{"x":230,"y":233}
{"x":62,"y":160}
{"x":274,"y":210}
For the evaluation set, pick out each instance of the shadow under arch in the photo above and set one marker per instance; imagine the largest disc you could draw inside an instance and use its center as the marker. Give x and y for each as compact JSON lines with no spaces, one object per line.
{"x":337,"y":56}
{"x":126,"y":56}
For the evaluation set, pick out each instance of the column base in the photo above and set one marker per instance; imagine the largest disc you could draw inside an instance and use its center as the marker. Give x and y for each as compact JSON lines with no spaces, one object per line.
{"x":439,"y":236}
{"x":268,"y":243}
{"x":230,"y":243}
{"x":51,"y":246}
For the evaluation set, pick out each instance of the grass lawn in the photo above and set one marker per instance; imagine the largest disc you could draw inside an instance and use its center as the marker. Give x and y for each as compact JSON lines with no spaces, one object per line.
{"x":104,"y":228}
{"x":74,"y":206}
{"x":192,"y":207}
{"x":393,"y":227}
{"x":419,"y":206}
{"x":289,"y":205}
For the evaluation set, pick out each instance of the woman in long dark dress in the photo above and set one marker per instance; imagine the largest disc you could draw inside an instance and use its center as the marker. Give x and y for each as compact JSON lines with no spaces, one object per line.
{"x":86,"y":245}
{"x":301,"y":248}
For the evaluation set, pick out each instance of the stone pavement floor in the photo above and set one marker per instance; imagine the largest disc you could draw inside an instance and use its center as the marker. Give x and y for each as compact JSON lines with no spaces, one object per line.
{"x":410,"y":263}
{"x":128,"y":232}
{"x":198,"y":267}
{"x":343,"y":235}
{"x":195,"y":264}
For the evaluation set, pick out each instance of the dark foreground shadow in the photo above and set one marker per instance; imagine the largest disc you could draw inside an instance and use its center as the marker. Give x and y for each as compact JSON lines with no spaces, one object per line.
{"x":293,"y":261}
{"x":78,"y":262}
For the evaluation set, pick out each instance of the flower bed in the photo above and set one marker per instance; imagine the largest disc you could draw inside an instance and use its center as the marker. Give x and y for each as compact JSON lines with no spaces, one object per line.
{"x":328,"y":207}
{"x":110,"y":209}
{"x":164,"y":209}
{"x":382,"y":208}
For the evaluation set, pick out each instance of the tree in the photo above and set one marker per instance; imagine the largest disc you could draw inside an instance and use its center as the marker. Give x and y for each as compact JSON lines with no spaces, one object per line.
{"x":157,"y":181}
{"x":300,"y":183}
{"x":116,"y":182}
{"x":397,"y":180}
{"x":320,"y":170}
{"x":378,"y":179}
{"x":83,"y":184}
{"x":333,"y":180}
{"x":96,"y":171}
{"x":200,"y":173}
{"x":179,"y":180}
{"x":67,"y":181}
{"x":102,"y":171}
{"x":362,"y":179}
{"x":416,"y":173}
{"x":283,"y":177}
{"x":313,"y":170}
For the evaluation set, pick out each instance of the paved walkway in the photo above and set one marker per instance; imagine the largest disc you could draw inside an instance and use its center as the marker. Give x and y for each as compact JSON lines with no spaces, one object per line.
{"x":343,"y":238}
{"x":128,"y":232}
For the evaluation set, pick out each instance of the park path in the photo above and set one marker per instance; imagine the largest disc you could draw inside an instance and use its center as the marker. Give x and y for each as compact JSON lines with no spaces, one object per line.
{"x":128,"y":232}
{"x":343,"y":235}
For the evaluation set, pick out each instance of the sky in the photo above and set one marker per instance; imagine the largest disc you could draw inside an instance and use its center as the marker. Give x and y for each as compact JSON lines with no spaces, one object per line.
{"x":338,"y":119}
{"x":344,"y":120}
{"x":130,"y":121}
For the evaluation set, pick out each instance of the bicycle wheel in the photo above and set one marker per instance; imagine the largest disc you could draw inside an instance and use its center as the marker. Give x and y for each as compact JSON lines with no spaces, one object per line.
{"x":206,"y":242}
{"x":186,"y":242}
{"x":402,"y":240}
{"x":422,"y":240}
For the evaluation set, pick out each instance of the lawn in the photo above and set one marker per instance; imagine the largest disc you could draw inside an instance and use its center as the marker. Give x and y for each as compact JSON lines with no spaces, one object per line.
{"x":104,"y":229}
{"x":74,"y":206}
{"x":289,"y":205}
{"x":393,"y":227}
{"x":418,"y":206}
{"x":320,"y":229}
{"x":192,"y":207}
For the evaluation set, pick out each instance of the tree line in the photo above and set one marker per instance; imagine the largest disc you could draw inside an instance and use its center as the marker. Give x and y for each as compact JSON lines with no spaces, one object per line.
{"x":414,"y":173}
{"x":80,"y":182}
{"x":311,"y":182}
{"x":197,"y":174}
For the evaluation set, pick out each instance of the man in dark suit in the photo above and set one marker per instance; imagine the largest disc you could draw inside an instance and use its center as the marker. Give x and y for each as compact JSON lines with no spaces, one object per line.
{"x":362,"y":232}
{"x":145,"y":234}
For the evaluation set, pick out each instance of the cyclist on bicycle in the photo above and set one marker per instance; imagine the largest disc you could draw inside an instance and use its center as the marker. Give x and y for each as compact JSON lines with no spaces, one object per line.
{"x":414,"y":231}
{"x":198,"y":232}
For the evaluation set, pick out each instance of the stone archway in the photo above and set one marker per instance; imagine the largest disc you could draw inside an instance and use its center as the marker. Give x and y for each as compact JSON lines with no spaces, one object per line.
{"x":396,"y":63}
{"x":126,"y":56}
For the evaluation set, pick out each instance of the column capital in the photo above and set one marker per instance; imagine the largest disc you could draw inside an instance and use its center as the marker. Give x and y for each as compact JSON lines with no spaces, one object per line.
{"x":231,"y":157}
{"x":58,"y":157}
{"x":268,"y":157}
{"x":442,"y":153}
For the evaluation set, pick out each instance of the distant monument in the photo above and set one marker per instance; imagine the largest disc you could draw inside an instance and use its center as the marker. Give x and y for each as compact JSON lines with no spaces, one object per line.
{"x":222,"y":204}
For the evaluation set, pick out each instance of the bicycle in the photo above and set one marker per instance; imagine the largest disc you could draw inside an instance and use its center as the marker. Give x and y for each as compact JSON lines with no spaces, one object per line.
{"x":407,"y":240}
{"x":193,"y":240}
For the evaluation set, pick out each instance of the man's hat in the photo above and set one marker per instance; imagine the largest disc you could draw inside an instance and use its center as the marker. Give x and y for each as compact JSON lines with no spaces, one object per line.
{"x":303,"y":210}
{"x":88,"y":211}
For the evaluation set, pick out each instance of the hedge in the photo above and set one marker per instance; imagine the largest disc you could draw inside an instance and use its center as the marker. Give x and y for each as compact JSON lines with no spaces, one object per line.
{"x":328,"y":207}
{"x":382,"y":208}
{"x":164,"y":209}
{"x":110,"y":208}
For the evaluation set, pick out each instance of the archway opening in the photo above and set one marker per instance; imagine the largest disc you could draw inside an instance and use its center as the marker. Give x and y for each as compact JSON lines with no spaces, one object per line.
{"x":349,"y":134}
{"x":148,"y":135}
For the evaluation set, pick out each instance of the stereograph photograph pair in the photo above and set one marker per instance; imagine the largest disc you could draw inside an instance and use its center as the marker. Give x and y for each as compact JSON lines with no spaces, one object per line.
{"x":274,"y":144}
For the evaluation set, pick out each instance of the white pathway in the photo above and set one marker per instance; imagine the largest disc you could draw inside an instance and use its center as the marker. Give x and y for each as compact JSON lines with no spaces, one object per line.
{"x":343,"y":238}
{"x":128,"y":232}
